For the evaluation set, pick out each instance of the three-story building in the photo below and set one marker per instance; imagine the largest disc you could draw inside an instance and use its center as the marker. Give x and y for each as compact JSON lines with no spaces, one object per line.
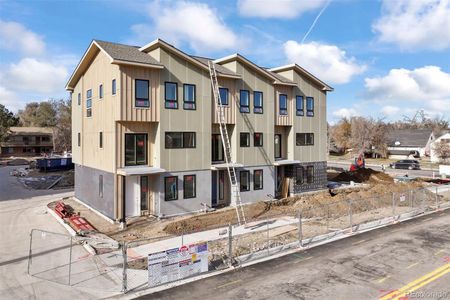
{"x":146,"y":136}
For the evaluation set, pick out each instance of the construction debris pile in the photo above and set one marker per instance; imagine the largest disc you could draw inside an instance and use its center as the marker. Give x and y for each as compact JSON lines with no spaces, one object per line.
{"x":363,"y":175}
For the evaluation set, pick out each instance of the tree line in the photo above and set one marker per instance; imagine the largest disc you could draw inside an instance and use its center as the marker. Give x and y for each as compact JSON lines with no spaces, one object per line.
{"x":53,"y":113}
{"x":370,"y":135}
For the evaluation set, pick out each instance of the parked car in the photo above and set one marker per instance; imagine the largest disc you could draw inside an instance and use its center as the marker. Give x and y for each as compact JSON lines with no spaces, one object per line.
{"x":409,"y":164}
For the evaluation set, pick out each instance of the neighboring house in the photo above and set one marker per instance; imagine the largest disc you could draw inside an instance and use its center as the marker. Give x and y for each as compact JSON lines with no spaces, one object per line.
{"x":27,"y":141}
{"x":443,"y":138}
{"x":407,"y":143}
{"x":146,"y":135}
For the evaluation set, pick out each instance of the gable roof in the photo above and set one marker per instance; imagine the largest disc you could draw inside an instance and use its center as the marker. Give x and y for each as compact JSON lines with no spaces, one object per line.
{"x":220,"y":69}
{"x":195,"y":60}
{"x":117,"y":53}
{"x":304,"y":72}
{"x":283,"y":79}
{"x":242,"y":59}
{"x":125,"y":53}
{"x":409,"y":137}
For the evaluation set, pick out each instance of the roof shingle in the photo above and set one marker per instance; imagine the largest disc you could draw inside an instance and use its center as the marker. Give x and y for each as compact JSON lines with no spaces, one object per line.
{"x":127,"y":53}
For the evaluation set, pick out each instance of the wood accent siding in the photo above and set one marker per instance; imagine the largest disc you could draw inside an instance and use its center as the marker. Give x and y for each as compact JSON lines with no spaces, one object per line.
{"x":128,"y":111}
{"x":230,"y":109}
{"x":284,"y":120}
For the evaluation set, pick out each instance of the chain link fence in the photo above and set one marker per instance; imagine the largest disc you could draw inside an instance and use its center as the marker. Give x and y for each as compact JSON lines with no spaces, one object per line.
{"x":62,"y":258}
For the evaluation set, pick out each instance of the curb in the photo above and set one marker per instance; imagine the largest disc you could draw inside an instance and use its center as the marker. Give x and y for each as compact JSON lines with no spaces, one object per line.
{"x":70,"y":230}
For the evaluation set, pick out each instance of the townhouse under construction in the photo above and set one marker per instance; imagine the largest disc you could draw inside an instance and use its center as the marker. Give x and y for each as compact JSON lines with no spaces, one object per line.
{"x":158,"y":131}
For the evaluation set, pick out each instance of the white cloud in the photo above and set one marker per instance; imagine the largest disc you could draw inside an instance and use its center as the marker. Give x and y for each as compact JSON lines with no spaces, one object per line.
{"x":415,"y":24}
{"x":422,"y":88}
{"x":193,"y":23}
{"x":390,"y":110}
{"x":345,"y":113}
{"x":15,"y":37}
{"x":327,"y":62}
{"x":277,"y":8}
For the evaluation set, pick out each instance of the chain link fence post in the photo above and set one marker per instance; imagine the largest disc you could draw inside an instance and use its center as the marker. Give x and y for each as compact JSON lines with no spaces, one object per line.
{"x":350,"y":215}
{"x":328,"y":218}
{"x":124,"y":269}
{"x":230,"y":245}
{"x":30,"y":253}
{"x":437,"y":197}
{"x":268,"y":237}
{"x":393,"y":205}
{"x":300,"y":229}
{"x":70,"y":259}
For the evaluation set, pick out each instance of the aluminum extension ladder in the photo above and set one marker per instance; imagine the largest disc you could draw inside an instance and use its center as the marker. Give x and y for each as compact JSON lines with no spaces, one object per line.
{"x":235,"y":190}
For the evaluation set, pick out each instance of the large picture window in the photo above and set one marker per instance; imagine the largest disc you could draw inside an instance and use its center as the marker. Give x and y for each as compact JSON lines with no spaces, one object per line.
{"x":177,"y":140}
{"x":258,"y":102}
{"x":283,"y":104}
{"x":189,"y":186}
{"x":171,"y":95}
{"x":223,"y":92}
{"x":245,"y":139}
{"x":304,"y":139}
{"x":244,"y":181}
{"x":135,"y":149}
{"x":142,"y":95}
{"x":258,"y":179}
{"x":310,"y":106}
{"x":171,"y":188}
{"x":189,"y":96}
{"x":244,"y":101}
{"x":300,"y":110}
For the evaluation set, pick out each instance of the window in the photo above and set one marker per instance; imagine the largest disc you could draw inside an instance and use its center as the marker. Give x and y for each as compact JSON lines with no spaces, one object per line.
{"x":258,"y":102}
{"x":223,"y":93}
{"x":177,"y":140}
{"x":189,"y":186}
{"x":135,"y":149}
{"x":258,"y":139}
{"x":79,"y":98}
{"x":221,"y":185}
{"x":283,"y":104}
{"x":113,"y":87}
{"x":171,"y":95}
{"x":100,"y":91}
{"x":144,"y":193}
{"x":100,"y":139}
{"x":79,"y":139}
{"x":258,"y":179}
{"x":244,"y":101}
{"x":244,"y":181}
{"x":189,"y":96}
{"x":310,"y":174}
{"x":277,"y":144}
{"x":304,"y":139}
{"x":100,"y":186}
{"x":299,"y":175}
{"x":310,"y":106}
{"x":89,"y":103}
{"x":245,"y":139}
{"x":300,"y":111}
{"x":171,"y":188}
{"x":141,"y":93}
{"x":217,"y":148}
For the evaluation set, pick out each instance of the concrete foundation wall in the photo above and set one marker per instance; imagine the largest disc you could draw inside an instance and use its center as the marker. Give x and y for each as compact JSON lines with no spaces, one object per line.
{"x":87,"y":189}
{"x":183,"y":206}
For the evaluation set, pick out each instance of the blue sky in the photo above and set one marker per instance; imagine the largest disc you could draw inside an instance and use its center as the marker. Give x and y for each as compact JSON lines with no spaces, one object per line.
{"x":384,"y":58}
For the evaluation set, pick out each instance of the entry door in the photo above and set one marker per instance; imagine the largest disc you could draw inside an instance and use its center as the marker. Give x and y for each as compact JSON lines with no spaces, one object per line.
{"x":133,"y":196}
{"x":277,"y":144}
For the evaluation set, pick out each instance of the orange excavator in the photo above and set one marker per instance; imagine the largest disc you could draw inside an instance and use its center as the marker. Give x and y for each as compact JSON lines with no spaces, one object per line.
{"x":360,"y":161}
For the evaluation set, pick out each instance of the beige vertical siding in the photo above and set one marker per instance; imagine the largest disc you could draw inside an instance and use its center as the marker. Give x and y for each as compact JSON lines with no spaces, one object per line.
{"x":286,"y":120}
{"x":230,"y":109}
{"x":128,"y":111}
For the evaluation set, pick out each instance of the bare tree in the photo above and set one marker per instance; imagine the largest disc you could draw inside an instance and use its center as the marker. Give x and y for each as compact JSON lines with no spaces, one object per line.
{"x":62,"y":131}
{"x":340,"y":134}
{"x":442,"y":149}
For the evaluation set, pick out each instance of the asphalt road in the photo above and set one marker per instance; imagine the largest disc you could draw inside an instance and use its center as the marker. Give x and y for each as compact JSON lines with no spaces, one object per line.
{"x":408,"y":257}
{"x":393,"y":172}
{"x":11,"y":188}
